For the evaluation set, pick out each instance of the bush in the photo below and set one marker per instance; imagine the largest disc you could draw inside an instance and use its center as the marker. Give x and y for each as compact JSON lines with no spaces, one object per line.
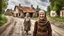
{"x":34,"y":18}
{"x":2,"y":19}
{"x":59,"y":19}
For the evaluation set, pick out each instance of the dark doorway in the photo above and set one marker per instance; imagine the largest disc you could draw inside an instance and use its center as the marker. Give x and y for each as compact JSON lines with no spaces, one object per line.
{"x":62,"y":13}
{"x":19,"y":14}
{"x":31,"y":14}
{"x":24,"y":14}
{"x":16,"y":15}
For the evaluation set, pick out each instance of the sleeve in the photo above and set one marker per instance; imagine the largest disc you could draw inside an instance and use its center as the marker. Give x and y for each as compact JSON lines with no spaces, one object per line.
{"x":49,"y":29}
{"x":30,"y":21}
{"x":24,"y":21}
{"x":35,"y":29}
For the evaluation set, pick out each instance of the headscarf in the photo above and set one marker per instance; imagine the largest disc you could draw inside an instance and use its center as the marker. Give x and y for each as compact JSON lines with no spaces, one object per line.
{"x":45,"y":19}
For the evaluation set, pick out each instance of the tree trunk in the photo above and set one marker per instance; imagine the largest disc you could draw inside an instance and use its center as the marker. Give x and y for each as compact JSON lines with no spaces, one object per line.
{"x":0,"y":6}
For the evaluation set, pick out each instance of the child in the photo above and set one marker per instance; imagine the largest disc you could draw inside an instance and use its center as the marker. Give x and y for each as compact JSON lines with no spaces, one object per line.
{"x":42,"y":26}
{"x":27,"y":23}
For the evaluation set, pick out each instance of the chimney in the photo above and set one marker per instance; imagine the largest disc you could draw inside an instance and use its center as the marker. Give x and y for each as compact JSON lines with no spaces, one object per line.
{"x":19,"y":4}
{"x":37,"y":6}
{"x":32,"y":6}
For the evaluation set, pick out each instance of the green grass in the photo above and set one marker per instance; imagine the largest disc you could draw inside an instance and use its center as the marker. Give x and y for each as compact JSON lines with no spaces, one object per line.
{"x":34,"y":18}
{"x":59,"y":19}
{"x":2,"y":19}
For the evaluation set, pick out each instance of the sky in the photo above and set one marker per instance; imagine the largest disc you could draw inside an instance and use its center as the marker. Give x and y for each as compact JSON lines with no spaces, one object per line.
{"x":41,"y":3}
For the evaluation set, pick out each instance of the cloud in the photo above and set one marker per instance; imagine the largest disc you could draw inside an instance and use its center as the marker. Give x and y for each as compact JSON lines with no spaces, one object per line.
{"x":46,"y":1}
{"x":41,"y":3}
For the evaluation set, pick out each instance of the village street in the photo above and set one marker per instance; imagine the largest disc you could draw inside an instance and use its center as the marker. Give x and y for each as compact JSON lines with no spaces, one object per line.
{"x":14,"y":27}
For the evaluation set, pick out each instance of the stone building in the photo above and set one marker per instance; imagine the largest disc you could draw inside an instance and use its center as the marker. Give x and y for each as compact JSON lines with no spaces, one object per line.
{"x":20,"y":11}
{"x":9,"y":12}
{"x":62,"y":12}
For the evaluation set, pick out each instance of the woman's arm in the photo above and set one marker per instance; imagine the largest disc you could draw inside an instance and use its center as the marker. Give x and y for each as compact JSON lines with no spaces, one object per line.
{"x":24,"y":21}
{"x":30,"y":21}
{"x":49,"y":29}
{"x":35,"y":29}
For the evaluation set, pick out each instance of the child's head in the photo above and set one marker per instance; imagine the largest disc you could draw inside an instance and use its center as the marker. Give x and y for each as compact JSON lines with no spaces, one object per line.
{"x":42,"y":14}
{"x":27,"y":14}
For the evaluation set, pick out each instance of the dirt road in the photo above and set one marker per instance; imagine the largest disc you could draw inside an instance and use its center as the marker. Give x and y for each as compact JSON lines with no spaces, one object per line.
{"x":15,"y":28}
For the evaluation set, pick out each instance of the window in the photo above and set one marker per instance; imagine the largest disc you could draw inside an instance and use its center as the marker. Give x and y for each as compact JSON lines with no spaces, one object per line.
{"x":53,"y":13}
{"x":62,"y":13}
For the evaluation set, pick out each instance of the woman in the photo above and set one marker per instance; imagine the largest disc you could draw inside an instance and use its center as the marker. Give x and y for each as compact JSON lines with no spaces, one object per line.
{"x":42,"y":26}
{"x":27,"y":23}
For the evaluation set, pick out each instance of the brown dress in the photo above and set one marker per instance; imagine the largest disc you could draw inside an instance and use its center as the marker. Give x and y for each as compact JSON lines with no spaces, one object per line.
{"x":42,"y":28}
{"x":27,"y":24}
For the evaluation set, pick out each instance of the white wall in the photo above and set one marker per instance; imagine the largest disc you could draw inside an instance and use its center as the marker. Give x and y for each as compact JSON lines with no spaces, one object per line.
{"x":52,"y":13}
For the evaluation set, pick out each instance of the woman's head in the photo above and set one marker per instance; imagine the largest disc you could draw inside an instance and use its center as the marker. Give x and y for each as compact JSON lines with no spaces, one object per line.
{"x":27,"y":14}
{"x":42,"y":15}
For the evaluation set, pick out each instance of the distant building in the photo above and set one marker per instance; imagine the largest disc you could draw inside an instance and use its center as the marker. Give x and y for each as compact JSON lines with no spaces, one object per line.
{"x":9,"y":12}
{"x":53,"y":13}
{"x":20,"y":11}
{"x":62,"y":12}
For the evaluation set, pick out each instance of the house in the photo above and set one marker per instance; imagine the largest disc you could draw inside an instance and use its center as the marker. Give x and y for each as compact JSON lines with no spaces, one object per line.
{"x":62,"y":12}
{"x":20,"y":11}
{"x":53,"y":13}
{"x":9,"y":12}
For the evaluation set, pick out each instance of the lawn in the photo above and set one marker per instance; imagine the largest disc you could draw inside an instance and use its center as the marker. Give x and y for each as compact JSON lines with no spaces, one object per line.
{"x":2,"y":19}
{"x":34,"y":18}
{"x":59,"y":19}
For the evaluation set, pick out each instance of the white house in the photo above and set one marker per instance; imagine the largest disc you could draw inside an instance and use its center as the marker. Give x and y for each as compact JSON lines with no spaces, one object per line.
{"x":53,"y":13}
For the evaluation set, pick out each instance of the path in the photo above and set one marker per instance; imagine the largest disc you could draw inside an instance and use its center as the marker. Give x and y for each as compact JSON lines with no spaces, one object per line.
{"x":14,"y":27}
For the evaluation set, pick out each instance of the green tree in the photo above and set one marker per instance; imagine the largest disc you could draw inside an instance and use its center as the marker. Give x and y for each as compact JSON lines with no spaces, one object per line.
{"x":3,"y":5}
{"x":56,"y":5}
{"x":0,"y":6}
{"x":48,"y":10}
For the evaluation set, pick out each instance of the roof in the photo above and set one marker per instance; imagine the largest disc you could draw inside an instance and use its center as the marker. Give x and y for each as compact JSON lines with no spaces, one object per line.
{"x":9,"y":10}
{"x":26,"y":9}
{"x":62,"y":8}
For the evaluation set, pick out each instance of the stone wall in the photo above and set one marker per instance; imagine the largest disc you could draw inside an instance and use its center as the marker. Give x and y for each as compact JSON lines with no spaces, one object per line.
{"x":62,"y":13}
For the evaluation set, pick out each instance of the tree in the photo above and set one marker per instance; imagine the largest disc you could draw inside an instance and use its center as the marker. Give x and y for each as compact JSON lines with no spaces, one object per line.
{"x":56,"y":5}
{"x":3,"y":5}
{"x":48,"y":10}
{"x":0,"y":6}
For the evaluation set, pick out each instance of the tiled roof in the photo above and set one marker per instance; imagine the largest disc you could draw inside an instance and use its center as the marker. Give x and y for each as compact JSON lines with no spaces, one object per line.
{"x":26,"y":9}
